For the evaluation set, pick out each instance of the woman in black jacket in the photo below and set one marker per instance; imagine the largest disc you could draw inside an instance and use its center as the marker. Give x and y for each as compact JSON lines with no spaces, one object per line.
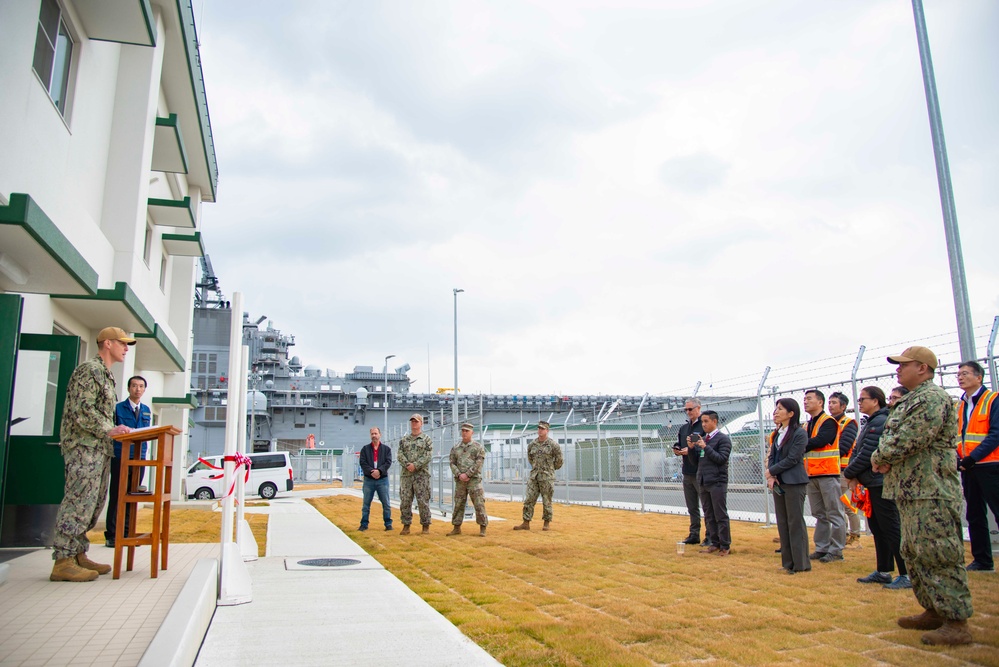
{"x":787,"y":479}
{"x":884,"y":519}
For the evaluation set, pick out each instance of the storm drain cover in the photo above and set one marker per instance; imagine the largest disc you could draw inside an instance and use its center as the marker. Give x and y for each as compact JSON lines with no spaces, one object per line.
{"x":329,"y":562}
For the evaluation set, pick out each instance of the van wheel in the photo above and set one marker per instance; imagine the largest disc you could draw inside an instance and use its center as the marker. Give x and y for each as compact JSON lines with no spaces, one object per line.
{"x":204,"y":493}
{"x":267,"y":490}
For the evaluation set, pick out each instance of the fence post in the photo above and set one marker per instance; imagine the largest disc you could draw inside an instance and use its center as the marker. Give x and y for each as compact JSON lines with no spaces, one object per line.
{"x":853,"y":382}
{"x":565,"y":430}
{"x":600,"y":471}
{"x":763,"y":444}
{"x":641,"y":451}
{"x":993,"y":375}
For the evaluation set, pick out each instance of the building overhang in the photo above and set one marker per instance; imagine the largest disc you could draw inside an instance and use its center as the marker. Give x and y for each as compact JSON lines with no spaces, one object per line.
{"x":169,"y":154}
{"x":122,"y":21}
{"x":184,"y":84}
{"x":171,"y":212}
{"x":187,"y":401}
{"x":35,"y":257}
{"x":116,"y":307}
{"x":156,"y":352}
{"x":184,"y":245}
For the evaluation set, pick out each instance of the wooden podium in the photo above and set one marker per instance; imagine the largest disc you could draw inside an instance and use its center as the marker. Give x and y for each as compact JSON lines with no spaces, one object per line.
{"x":160,"y":481}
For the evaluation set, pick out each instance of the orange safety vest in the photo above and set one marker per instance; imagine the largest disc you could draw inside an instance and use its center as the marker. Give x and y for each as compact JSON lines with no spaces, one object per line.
{"x":822,"y":461}
{"x":978,"y":427}
{"x":843,"y":422}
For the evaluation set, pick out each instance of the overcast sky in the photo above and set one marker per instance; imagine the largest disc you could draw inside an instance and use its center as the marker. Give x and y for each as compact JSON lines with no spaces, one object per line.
{"x":634,"y":196}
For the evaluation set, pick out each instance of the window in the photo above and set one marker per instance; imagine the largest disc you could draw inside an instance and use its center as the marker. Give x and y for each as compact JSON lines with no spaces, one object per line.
{"x":147,"y":243}
{"x":163,"y":269}
{"x":53,"y":53}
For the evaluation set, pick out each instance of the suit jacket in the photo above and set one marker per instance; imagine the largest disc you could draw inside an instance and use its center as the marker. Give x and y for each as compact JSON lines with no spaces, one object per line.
{"x":787,"y":463}
{"x":367,"y":460}
{"x":693,"y":456}
{"x":123,"y":415}
{"x":713,"y":468}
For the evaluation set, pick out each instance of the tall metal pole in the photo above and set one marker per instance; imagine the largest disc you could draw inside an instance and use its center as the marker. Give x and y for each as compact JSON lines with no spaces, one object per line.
{"x":454,"y":410}
{"x":955,"y":256}
{"x":385,"y":402}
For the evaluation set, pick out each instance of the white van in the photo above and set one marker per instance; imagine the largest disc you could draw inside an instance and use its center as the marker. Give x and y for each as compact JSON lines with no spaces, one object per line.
{"x":269,"y":472}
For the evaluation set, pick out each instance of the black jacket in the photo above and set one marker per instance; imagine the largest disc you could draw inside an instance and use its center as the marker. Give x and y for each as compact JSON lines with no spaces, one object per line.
{"x":367,"y":459}
{"x":693,"y":456}
{"x":867,"y":443}
{"x":713,"y":468}
{"x":787,"y":463}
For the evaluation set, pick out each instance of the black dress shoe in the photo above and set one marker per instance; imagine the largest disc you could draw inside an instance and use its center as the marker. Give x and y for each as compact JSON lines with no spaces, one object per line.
{"x":975,"y":566}
{"x":109,"y":544}
{"x":388,"y":527}
{"x":706,"y":542}
{"x":362,"y":528}
{"x":692,"y":540}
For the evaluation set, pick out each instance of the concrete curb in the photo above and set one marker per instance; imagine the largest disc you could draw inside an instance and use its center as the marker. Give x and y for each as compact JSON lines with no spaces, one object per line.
{"x":179,"y":638}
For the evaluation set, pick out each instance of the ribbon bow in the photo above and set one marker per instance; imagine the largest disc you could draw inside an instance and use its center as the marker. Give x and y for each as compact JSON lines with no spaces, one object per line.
{"x":240,"y":460}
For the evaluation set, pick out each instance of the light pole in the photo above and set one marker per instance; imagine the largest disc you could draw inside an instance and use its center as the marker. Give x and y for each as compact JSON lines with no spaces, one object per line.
{"x":955,"y":256}
{"x":385,"y":402}
{"x":454,"y":411}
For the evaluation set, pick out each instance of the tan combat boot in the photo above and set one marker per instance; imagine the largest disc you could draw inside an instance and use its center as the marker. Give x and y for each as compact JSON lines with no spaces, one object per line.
{"x":405,"y":530}
{"x":524,"y":526}
{"x":482,"y":531}
{"x":928,"y":620}
{"x":66,"y":569}
{"x":455,"y":531}
{"x":426,"y":530}
{"x":951,"y":633}
{"x":87,"y":564}
{"x":547,"y":525}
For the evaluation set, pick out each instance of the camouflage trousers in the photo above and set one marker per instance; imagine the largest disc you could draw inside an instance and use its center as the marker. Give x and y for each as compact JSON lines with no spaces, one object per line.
{"x":473,"y":490}
{"x":87,"y":473}
{"x":418,"y":486}
{"x":934,"y":556}
{"x":535,"y":487}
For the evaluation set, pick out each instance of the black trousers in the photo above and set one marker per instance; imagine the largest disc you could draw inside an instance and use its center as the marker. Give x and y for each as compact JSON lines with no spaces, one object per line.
{"x":887,"y":529}
{"x":111,"y":519}
{"x":981,"y":492}
{"x":790,"y":511}
{"x":692,"y":496}
{"x":714,"y":499}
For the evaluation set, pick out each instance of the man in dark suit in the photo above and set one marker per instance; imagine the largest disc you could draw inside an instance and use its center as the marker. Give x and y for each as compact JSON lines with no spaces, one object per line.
{"x":375,"y":460}
{"x":712,"y":478}
{"x":132,"y":413}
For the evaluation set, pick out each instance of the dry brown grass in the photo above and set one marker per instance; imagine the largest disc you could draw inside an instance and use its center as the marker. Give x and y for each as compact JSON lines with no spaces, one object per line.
{"x":606,"y":587}
{"x":195,"y":526}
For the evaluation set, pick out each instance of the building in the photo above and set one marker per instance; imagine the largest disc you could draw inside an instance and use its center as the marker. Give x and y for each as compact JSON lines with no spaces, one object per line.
{"x":106,"y":157}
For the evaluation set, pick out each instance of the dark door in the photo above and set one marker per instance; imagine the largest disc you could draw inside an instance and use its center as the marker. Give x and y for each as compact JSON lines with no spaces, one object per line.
{"x":35,"y":477}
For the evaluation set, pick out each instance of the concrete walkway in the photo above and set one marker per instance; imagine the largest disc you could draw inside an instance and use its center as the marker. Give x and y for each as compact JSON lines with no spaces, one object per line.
{"x":104,"y":622}
{"x":354,"y":614}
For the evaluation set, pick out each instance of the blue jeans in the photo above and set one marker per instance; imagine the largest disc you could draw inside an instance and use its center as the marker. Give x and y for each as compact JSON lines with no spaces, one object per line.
{"x":381,"y":487}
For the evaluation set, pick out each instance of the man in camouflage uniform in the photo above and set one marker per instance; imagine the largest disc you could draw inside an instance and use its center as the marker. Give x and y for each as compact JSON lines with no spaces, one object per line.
{"x":86,"y":432}
{"x":545,"y":458}
{"x":415,"y":452}
{"x":467,"y":458}
{"x":918,"y":458}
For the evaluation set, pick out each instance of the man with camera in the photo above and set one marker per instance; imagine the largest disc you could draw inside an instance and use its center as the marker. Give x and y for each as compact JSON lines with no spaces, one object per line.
{"x":691,"y":457}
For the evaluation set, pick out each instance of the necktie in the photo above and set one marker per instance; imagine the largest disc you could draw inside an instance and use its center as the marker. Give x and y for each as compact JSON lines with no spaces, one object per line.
{"x":137,"y":414}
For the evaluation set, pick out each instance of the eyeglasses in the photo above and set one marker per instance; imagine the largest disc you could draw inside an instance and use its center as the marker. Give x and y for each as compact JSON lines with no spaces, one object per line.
{"x":689,"y":409}
{"x":967,"y":374}
{"x":863,"y":398}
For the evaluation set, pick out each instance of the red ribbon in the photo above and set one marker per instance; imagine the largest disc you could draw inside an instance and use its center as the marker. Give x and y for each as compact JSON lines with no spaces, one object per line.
{"x":241,"y":460}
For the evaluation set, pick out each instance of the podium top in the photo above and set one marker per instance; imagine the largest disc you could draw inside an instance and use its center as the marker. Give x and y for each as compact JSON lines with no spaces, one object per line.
{"x":151,"y":433}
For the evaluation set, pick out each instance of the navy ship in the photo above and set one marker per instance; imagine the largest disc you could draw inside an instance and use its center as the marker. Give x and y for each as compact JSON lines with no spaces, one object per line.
{"x":292,"y":406}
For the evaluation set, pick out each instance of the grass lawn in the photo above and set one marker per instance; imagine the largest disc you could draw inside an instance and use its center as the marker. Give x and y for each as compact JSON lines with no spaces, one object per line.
{"x":197,"y":526}
{"x":606,"y":587}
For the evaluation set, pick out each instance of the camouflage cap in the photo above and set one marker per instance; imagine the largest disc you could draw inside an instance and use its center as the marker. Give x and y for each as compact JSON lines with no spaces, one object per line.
{"x":544,"y":424}
{"x":114,"y":333}
{"x":923,"y":355}
{"x":467,"y":427}
{"x":416,"y":417}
